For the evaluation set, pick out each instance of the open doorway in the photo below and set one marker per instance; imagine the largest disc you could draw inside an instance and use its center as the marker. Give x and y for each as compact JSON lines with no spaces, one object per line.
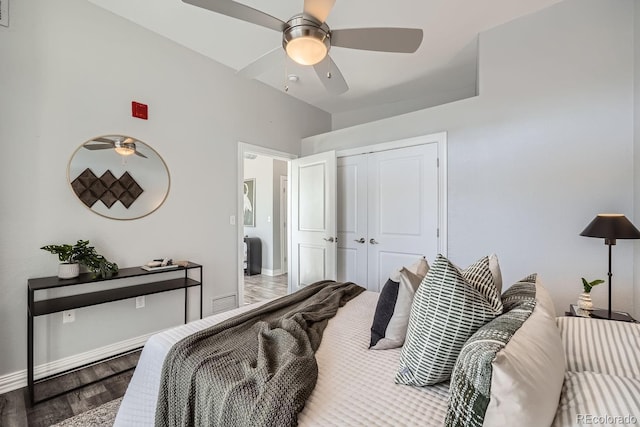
{"x":262,"y":223}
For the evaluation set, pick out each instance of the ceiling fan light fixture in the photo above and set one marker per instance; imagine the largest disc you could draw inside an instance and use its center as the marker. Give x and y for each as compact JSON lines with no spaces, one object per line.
{"x":125,"y":148}
{"x":306,"y":41}
{"x":306,"y":50}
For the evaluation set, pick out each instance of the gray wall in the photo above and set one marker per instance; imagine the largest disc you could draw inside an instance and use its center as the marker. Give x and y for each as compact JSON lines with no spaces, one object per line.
{"x":279,"y":169}
{"x":546,"y":145}
{"x":69,"y":72}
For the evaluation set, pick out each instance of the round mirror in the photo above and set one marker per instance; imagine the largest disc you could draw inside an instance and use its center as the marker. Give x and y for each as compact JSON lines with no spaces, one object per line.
{"x":118,"y":177}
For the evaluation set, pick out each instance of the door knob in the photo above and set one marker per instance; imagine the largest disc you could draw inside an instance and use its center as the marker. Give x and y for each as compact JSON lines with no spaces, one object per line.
{"x":330,"y":239}
{"x":360,"y":240}
{"x":373,"y":241}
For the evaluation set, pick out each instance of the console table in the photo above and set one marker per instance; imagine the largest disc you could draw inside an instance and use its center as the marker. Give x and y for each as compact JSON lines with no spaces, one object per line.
{"x":158,"y":282}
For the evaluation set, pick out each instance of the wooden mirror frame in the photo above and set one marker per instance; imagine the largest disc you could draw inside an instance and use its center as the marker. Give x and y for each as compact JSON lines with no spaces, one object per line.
{"x":117,"y":186}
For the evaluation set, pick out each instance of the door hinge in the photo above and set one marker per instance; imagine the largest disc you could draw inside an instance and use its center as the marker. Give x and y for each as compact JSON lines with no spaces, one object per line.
{"x":438,"y":162}
{"x":437,"y":232}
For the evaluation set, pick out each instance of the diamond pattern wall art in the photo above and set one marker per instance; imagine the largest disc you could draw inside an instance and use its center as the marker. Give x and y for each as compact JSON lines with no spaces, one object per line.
{"x":108,"y":189}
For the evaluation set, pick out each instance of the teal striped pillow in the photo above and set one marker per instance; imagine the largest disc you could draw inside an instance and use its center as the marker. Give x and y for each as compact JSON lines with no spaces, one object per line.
{"x":449,"y":306}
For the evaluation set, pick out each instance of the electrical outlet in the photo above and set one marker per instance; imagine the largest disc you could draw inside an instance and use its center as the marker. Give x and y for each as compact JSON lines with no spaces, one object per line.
{"x":140,"y":302}
{"x":68,"y":316}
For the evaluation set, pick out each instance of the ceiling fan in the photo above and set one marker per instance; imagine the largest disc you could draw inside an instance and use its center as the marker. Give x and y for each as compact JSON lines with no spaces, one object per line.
{"x":307,"y":39}
{"x":122,"y":146}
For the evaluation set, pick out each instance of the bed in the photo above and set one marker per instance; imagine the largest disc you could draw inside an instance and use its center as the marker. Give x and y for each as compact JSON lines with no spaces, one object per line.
{"x":345,"y":397}
{"x":599,"y":376}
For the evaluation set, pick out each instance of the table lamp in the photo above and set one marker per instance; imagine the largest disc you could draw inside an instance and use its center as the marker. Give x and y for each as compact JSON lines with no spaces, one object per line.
{"x":610,"y":227}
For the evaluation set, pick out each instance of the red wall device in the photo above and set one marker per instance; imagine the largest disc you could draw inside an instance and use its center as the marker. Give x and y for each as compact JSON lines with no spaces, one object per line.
{"x":139,"y":110}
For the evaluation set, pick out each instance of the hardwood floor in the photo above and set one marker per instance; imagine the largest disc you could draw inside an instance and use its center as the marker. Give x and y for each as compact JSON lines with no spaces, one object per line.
{"x":260,"y":287}
{"x":16,"y":412}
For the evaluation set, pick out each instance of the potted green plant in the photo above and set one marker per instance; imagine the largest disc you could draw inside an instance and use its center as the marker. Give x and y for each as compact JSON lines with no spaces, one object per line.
{"x":72,"y":256}
{"x":584,"y":300}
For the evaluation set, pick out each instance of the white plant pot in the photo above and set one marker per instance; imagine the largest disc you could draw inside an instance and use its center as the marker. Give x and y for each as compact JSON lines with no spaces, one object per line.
{"x":584,"y":301}
{"x":68,"y":270}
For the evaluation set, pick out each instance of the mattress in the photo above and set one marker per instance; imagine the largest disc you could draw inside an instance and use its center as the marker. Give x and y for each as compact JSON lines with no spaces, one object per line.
{"x":355,"y":385}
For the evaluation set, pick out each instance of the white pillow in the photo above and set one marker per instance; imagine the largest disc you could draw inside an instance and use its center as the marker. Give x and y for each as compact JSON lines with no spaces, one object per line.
{"x":600,"y":345}
{"x":529,"y":371}
{"x":419,"y":268}
{"x":510,"y":372}
{"x":494,"y":266}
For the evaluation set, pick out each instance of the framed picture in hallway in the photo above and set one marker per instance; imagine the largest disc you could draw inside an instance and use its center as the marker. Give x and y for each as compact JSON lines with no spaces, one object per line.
{"x":249,"y":202}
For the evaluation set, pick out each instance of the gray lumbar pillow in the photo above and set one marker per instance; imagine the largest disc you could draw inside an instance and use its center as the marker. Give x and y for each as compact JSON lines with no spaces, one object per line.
{"x":449,"y":306}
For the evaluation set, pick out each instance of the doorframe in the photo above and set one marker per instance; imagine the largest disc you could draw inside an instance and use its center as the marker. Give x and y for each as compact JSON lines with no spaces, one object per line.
{"x":284,"y":232}
{"x":244,"y":148}
{"x":439,"y":138}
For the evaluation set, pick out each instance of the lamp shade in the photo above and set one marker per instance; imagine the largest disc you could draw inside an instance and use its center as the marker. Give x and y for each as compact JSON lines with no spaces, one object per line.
{"x":611,"y":226}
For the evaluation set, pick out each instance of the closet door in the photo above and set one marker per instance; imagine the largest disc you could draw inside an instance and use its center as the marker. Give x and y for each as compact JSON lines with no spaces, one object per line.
{"x":352,"y":219}
{"x":402,"y":209}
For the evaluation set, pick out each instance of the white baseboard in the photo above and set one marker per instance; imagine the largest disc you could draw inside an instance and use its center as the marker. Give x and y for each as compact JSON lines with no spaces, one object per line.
{"x":16,"y":380}
{"x":271,"y":273}
{"x":13,"y":381}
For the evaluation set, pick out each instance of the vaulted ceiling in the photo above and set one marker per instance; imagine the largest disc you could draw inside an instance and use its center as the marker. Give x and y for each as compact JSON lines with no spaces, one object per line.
{"x":445,"y":62}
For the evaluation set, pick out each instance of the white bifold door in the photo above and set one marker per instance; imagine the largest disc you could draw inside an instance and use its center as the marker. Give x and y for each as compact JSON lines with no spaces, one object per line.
{"x":387,"y":212}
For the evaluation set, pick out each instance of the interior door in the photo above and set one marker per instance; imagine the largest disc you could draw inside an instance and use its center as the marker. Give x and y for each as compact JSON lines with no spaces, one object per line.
{"x":403,"y":209}
{"x":352,"y":219}
{"x":313,"y":219}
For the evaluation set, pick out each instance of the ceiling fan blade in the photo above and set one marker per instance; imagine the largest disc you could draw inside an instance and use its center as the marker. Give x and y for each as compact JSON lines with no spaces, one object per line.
{"x":140,"y":154}
{"x":319,"y":9}
{"x":266,"y":62}
{"x":107,"y":140}
{"x":240,"y":11}
{"x":330,"y":76}
{"x":98,"y":146}
{"x":402,"y":40}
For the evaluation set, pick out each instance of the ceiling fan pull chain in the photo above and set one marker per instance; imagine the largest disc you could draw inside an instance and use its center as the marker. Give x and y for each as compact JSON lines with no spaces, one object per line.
{"x":286,"y":86}
{"x":328,"y":69}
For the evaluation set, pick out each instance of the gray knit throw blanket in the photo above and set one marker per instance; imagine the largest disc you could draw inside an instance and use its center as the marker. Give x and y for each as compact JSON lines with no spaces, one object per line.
{"x":255,"y":369}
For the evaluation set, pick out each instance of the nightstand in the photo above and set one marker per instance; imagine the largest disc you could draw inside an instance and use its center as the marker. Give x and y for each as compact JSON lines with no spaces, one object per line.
{"x":599,"y":313}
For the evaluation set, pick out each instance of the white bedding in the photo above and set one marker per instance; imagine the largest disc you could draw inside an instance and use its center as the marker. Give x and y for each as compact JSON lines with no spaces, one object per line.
{"x":355,"y":385}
